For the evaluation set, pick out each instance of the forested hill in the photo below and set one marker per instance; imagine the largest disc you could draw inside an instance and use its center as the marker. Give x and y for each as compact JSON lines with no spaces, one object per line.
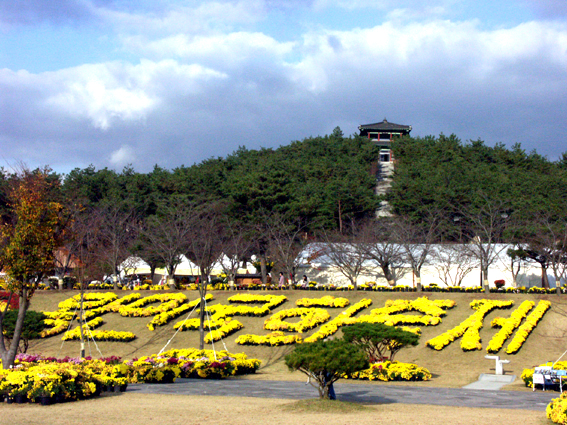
{"x":320,"y":180}
{"x":327,"y":180}
{"x":454,"y":178}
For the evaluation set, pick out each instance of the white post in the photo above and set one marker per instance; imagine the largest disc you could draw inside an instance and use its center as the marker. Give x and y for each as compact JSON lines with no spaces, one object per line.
{"x":498,"y":367}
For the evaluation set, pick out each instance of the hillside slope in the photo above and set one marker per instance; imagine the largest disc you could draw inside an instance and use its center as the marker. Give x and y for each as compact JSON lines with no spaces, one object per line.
{"x":450,"y":366}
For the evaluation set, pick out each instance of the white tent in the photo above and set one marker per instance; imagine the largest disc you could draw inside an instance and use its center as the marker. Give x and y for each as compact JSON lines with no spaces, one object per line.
{"x":185,"y":268}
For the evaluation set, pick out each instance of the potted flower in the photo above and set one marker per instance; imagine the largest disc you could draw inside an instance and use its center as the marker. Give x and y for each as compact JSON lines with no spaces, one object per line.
{"x":499,"y":283}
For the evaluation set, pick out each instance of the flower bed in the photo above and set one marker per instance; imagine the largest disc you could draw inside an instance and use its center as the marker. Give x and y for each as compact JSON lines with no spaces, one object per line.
{"x":14,"y":301}
{"x":273,"y":339}
{"x":169,"y":302}
{"x":37,"y":378}
{"x":327,"y":301}
{"x":310,"y":318}
{"x":76,"y":333}
{"x":524,"y":331}
{"x":508,"y":326}
{"x":392,"y":371}
{"x":190,"y":363}
{"x":220,"y":322}
{"x":270,"y":302}
{"x":556,"y":411}
{"x":468,"y":329}
{"x":343,"y":319}
{"x":433,"y":311}
{"x":163,"y":318}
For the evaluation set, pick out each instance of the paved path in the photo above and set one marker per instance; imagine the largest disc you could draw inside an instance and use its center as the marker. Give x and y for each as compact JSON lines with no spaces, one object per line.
{"x":361,"y":393}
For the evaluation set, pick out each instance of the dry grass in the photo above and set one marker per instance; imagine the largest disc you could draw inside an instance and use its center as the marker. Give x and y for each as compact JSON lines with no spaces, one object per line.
{"x":145,"y":409}
{"x":450,"y":367}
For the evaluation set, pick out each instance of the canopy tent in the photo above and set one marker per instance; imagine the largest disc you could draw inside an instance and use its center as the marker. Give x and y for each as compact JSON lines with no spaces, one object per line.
{"x":185,"y":268}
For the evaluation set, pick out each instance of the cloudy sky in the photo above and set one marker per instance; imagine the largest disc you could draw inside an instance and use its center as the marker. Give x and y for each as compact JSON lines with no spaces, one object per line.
{"x":173,"y":82}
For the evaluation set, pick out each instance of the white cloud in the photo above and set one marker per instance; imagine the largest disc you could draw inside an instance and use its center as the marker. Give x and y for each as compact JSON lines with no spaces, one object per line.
{"x":205,"y":94}
{"x":106,"y":93}
{"x":204,"y":17}
{"x":220,"y":50}
{"x":123,"y":156}
{"x":433,"y":50}
{"x":412,"y":8}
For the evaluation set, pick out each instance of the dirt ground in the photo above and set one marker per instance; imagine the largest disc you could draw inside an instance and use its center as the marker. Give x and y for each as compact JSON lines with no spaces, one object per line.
{"x":145,"y":409}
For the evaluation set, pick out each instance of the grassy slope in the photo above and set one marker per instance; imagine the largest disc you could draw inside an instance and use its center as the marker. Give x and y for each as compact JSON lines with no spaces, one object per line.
{"x":450,"y":367}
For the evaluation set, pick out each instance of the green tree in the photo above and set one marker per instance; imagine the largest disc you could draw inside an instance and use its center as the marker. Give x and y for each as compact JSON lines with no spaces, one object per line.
{"x":33,"y":325}
{"x":29,"y":238}
{"x":376,"y":339}
{"x":324,"y":362}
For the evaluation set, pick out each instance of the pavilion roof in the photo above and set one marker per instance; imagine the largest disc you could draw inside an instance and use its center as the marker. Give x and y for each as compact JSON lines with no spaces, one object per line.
{"x":385,"y":126}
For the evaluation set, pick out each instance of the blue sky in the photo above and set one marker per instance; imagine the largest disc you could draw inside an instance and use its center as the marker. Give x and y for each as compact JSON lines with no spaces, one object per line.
{"x":111,"y":82}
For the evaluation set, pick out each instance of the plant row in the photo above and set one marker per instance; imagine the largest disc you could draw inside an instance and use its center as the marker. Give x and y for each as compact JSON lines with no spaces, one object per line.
{"x":48,"y":380}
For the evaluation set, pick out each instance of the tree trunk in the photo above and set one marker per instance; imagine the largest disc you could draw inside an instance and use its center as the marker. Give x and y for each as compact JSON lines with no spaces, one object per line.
{"x":81,"y":323}
{"x":263,"y":270}
{"x":389,"y":275}
{"x":8,"y":356}
{"x":418,"y":282}
{"x":544,"y":279}
{"x":354,"y":283}
{"x":485,"y":280}
{"x":202,"y":294}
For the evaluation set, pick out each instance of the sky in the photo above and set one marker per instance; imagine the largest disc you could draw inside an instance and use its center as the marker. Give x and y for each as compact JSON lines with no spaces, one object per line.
{"x":115,"y":83}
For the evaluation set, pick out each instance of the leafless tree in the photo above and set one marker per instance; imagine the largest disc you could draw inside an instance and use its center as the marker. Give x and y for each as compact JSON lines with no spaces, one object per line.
{"x":381,"y":244}
{"x":165,"y":234}
{"x":76,"y":225}
{"x":546,"y":244}
{"x":286,"y":241}
{"x":117,"y":232}
{"x":204,"y":247}
{"x":236,"y":247}
{"x":453,"y":262}
{"x":486,"y":227}
{"x":557,"y":231}
{"x":416,"y":241}
{"x":347,"y":254}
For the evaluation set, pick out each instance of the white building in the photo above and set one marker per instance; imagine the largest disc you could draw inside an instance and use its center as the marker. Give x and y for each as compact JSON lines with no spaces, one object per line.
{"x":446,"y":265}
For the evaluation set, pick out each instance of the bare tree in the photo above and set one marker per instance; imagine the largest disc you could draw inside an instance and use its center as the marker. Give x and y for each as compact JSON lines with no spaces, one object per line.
{"x":204,"y":247}
{"x":236,"y":247}
{"x":416,"y":241}
{"x":545,"y":243}
{"x":76,"y":221}
{"x":165,"y":235}
{"x":117,"y":232}
{"x":486,"y":227}
{"x":286,"y":241}
{"x":557,"y":232}
{"x":381,"y":244}
{"x":453,"y":262}
{"x":346,"y":253}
